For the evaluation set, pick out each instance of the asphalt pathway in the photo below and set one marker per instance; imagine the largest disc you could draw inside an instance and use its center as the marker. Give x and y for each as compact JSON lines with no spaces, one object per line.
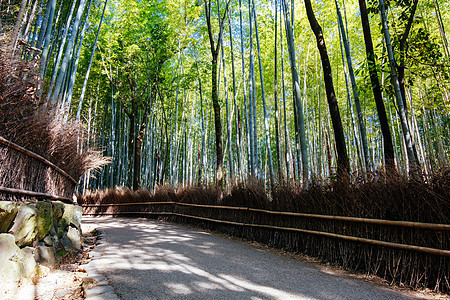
{"x":146,"y":259}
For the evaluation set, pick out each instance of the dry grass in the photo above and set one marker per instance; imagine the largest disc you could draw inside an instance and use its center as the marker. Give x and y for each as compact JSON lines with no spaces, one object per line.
{"x":374,"y":196}
{"x":40,"y":129}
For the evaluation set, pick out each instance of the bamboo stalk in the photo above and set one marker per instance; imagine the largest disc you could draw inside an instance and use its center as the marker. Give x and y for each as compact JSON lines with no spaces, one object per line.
{"x":38,"y":157}
{"x":34,"y":194}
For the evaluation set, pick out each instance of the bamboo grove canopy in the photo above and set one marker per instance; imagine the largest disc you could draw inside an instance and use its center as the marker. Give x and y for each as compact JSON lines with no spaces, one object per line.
{"x":217,"y":91}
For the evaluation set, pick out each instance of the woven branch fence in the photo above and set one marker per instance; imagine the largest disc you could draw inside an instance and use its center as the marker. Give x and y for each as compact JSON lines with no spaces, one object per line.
{"x":411,"y":253}
{"x":38,"y":166}
{"x":39,"y":155}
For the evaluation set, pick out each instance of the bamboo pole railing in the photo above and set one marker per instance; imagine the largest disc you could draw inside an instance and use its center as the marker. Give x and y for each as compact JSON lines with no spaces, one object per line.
{"x":34,"y":194}
{"x":433,"y":251}
{"x":432,"y":226}
{"x":37,"y":157}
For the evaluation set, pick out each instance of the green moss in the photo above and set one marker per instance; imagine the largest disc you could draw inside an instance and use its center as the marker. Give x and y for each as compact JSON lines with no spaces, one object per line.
{"x":44,"y":218}
{"x":58,"y":209}
{"x":8,"y":211}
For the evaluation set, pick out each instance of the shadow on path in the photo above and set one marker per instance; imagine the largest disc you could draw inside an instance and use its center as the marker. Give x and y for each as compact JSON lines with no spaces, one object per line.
{"x":146,"y":259}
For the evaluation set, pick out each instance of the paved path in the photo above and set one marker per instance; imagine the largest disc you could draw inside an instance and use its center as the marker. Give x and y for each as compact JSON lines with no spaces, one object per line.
{"x":145,"y":259}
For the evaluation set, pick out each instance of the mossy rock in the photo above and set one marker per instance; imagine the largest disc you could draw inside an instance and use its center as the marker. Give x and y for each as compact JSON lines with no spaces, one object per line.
{"x":58,"y":209}
{"x":44,"y":218}
{"x":24,"y":228}
{"x":8,"y":211}
{"x":72,"y":240}
{"x":72,"y":216}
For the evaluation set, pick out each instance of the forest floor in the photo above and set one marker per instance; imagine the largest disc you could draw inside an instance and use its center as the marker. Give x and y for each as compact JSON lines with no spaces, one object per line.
{"x":64,"y":281}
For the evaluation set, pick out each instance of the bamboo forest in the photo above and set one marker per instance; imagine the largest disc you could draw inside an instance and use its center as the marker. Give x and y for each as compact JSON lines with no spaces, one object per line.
{"x":319,"y":127}
{"x":184,"y":92}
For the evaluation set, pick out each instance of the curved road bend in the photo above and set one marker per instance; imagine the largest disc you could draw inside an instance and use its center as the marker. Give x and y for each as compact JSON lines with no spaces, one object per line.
{"x":146,"y":259}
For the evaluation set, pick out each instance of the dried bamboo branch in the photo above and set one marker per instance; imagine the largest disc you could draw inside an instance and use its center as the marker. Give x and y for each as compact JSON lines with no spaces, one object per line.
{"x":38,"y":157}
{"x":34,"y":194}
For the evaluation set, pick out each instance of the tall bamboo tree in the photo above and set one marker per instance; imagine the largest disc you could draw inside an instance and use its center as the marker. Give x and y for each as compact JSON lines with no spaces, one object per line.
{"x":343,"y":166}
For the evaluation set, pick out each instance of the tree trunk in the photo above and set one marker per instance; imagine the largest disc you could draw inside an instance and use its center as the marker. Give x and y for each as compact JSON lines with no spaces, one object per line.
{"x":69,"y":51}
{"x":61,"y":48}
{"x":297,"y":95}
{"x":263,"y":96}
{"x":244,"y":80}
{"x":74,"y":72}
{"x":403,"y":49}
{"x":398,"y":95}
{"x":384,"y":122}
{"x":217,"y":122}
{"x":343,"y":166}
{"x":228,"y":119}
{"x":30,"y":20}
{"x":83,"y":89}
{"x":214,"y":92}
{"x":16,"y":30}
{"x":287,"y":152}
{"x":44,"y":55}
{"x":252,"y":100}
{"x":138,"y":149}
{"x":275,"y":97}
{"x":130,"y":149}
{"x":236,"y":119}
{"x":361,"y":126}
{"x":441,"y":28}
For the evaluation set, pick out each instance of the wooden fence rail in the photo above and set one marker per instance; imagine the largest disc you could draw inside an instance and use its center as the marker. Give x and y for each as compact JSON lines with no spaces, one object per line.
{"x":37,"y":157}
{"x":34,"y":194}
{"x":433,"y":251}
{"x":431,"y":226}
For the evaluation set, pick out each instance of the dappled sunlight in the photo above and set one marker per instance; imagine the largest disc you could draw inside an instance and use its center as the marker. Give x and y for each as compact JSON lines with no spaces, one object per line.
{"x":178,"y":288}
{"x":145,"y":257}
{"x":268,"y":291}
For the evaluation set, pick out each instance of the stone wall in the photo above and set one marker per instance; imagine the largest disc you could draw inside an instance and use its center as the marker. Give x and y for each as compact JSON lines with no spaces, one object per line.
{"x":36,"y":233}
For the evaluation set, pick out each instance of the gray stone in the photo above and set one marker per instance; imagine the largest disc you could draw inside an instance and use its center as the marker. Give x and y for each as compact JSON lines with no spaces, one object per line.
{"x":45,"y":255}
{"x":90,"y":267}
{"x":48,"y":241}
{"x":72,"y":240}
{"x":9,"y":252}
{"x":94,"y":253}
{"x":104,"y":282}
{"x":15,"y":262}
{"x":8,"y":211}
{"x":27,"y":262}
{"x":24,"y":228}
{"x":44,"y":218}
{"x":97,"y":277}
{"x":107,"y":296}
{"x":97,"y":290}
{"x":72,"y":216}
{"x":8,"y":246}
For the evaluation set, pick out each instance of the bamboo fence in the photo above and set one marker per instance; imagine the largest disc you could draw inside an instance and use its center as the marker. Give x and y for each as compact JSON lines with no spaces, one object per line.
{"x":43,"y":160}
{"x":442,"y":228}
